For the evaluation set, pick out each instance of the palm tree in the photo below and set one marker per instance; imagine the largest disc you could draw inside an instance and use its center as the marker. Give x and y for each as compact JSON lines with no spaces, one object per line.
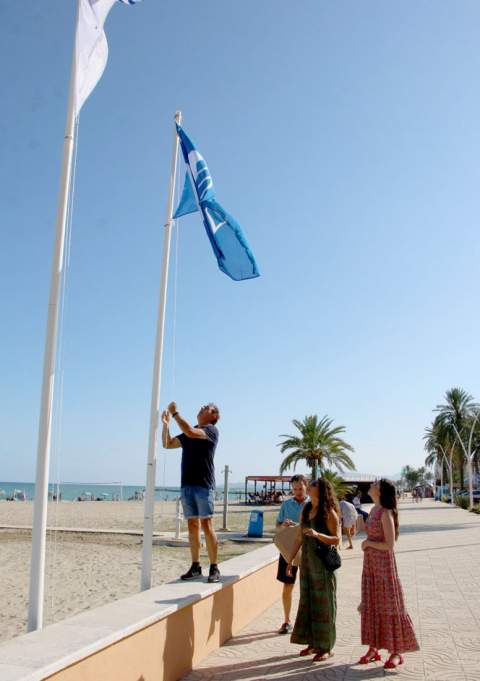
{"x":475,"y":452}
{"x":318,"y":444}
{"x":424,"y":476}
{"x":441,"y":446}
{"x":411,"y":476}
{"x":339,"y":485}
{"x":435,"y":457}
{"x":454,"y":416}
{"x":469,"y":443}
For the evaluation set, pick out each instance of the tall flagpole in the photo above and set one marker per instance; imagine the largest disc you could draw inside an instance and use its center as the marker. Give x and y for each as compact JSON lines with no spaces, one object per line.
{"x":39,"y":529}
{"x":146,"y":579}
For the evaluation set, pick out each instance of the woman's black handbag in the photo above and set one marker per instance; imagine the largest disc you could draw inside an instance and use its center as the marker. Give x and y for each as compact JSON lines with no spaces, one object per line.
{"x":329,"y":556}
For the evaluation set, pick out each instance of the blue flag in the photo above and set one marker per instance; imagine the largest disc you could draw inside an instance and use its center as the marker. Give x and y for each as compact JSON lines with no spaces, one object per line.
{"x":229,"y":244}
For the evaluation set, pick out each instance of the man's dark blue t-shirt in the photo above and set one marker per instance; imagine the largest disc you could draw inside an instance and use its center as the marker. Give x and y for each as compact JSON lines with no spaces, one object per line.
{"x":198,"y":468}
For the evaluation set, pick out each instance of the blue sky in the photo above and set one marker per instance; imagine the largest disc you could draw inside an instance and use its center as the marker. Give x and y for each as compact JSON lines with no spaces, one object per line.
{"x":344,"y":137}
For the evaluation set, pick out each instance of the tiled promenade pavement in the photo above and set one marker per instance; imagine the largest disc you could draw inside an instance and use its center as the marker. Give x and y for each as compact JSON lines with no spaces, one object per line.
{"x":438,"y":556}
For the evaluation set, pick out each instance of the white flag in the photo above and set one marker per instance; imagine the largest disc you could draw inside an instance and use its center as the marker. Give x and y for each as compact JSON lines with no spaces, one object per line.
{"x":91,"y":47}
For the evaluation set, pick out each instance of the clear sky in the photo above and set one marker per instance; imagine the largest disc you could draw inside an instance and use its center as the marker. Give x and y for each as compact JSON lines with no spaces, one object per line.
{"x":343,"y":136}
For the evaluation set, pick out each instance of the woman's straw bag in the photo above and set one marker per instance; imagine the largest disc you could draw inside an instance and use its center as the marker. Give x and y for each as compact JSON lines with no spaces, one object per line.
{"x":284,"y":540}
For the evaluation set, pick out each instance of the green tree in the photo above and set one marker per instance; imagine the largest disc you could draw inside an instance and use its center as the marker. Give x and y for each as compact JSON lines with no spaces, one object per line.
{"x":475,"y":450}
{"x":468,"y":440}
{"x":454,"y":416}
{"x":410,"y":476}
{"x":424,"y":476}
{"x":441,"y":444}
{"x":435,"y":456}
{"x":318,"y":444}
{"x":338,"y":483}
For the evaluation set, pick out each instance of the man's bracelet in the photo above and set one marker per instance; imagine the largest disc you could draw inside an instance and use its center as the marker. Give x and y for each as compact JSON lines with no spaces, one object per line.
{"x":174,"y":415}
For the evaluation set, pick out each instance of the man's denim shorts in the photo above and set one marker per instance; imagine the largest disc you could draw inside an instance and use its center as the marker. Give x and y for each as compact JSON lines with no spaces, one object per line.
{"x":198,"y":502}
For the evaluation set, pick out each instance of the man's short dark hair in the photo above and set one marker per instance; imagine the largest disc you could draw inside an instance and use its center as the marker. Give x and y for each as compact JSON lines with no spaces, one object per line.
{"x":299,"y":478}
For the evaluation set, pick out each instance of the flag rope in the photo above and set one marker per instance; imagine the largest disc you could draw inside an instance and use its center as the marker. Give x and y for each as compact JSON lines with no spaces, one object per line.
{"x":175,"y":288}
{"x":176,"y":228}
{"x":58,"y":412}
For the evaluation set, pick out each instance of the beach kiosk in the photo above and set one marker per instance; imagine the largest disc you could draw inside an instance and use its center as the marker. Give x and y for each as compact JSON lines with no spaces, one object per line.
{"x":267,"y":489}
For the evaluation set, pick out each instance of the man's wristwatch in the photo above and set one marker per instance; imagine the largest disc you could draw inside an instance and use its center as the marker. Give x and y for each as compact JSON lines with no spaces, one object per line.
{"x":176,"y":414}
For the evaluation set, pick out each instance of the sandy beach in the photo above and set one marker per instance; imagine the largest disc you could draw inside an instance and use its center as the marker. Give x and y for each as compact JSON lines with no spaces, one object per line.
{"x":85,"y":570}
{"x":118,"y":515}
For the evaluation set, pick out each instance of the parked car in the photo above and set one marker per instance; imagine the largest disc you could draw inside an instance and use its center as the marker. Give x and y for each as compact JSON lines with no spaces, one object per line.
{"x":466,"y":493}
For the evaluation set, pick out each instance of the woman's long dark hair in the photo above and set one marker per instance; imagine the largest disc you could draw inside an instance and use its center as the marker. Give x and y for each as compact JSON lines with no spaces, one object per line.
{"x":388,"y":499}
{"x":327,"y":501}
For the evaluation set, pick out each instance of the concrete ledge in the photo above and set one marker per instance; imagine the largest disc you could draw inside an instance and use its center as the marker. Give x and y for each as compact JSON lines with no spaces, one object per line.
{"x":158,"y":634}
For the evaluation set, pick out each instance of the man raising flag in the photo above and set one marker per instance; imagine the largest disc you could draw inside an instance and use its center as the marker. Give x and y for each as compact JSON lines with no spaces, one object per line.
{"x":198,"y":445}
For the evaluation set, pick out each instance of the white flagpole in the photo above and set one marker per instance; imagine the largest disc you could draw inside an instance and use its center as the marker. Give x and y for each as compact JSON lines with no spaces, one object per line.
{"x":39,"y":529}
{"x":146,"y":579}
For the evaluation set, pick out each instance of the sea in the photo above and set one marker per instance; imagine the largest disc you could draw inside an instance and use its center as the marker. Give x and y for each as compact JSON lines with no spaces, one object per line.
{"x":72,"y":491}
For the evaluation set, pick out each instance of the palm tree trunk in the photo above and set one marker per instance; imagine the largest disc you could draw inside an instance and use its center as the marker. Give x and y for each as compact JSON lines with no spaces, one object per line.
{"x":314,"y":470}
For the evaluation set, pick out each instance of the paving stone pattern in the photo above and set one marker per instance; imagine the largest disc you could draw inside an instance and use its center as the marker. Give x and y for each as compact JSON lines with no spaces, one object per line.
{"x":438,"y":556}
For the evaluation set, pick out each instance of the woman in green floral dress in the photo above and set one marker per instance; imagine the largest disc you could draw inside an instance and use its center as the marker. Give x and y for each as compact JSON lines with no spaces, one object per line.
{"x":315,"y":622}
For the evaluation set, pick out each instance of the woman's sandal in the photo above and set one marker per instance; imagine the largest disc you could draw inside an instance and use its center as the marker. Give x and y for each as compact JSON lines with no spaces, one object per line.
{"x":372,"y":655}
{"x":306,"y":651}
{"x":391,"y":662}
{"x":321,"y":657}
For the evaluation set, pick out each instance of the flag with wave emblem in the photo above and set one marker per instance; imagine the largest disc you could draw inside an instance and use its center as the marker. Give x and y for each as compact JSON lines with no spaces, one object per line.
{"x":91,"y":47}
{"x":229,"y":244}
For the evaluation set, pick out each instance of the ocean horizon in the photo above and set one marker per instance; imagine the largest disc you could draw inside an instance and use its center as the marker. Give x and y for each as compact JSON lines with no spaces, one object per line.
{"x":108,"y":491}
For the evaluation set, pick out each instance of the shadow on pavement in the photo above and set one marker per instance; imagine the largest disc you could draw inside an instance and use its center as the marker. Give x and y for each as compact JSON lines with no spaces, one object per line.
{"x":266,"y":667}
{"x":331,"y":672}
{"x":250,"y":638}
{"x":284,"y":667}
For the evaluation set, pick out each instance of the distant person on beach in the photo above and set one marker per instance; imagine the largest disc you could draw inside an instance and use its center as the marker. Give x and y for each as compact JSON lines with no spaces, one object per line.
{"x":357,"y":502}
{"x":198,"y":445}
{"x":385,"y":621}
{"x":349,"y":520}
{"x":289,"y":516}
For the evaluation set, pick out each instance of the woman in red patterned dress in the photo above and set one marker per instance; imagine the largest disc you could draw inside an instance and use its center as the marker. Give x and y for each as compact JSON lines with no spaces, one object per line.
{"x":385,"y":622}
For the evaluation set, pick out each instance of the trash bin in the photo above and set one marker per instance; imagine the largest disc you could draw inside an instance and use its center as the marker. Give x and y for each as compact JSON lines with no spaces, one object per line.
{"x":255,"y":526}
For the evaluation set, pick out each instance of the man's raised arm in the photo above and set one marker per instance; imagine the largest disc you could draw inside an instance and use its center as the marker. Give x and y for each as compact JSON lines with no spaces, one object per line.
{"x":184,"y":426}
{"x":168,"y":441}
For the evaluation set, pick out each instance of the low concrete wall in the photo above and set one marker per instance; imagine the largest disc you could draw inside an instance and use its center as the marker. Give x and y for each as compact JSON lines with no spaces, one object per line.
{"x":157,"y":635}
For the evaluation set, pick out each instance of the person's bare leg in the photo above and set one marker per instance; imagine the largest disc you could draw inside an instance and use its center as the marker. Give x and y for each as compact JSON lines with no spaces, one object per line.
{"x":210,"y":539}
{"x":287,"y":601}
{"x":212,"y":548}
{"x":349,"y":537}
{"x":194,"y":538}
{"x":195,"y":570}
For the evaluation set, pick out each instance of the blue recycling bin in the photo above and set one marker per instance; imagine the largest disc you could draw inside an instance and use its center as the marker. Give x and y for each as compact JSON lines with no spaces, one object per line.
{"x":255,"y":525}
